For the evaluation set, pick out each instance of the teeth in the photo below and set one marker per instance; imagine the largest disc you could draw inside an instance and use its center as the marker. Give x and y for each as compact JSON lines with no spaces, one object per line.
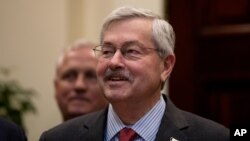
{"x":117,"y":78}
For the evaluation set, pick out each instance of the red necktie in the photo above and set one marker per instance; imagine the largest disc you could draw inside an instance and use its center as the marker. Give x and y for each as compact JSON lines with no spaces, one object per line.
{"x":127,"y":134}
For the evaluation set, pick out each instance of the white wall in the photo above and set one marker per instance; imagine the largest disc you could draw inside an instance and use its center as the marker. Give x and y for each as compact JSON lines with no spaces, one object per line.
{"x":96,"y":10}
{"x":32,"y":35}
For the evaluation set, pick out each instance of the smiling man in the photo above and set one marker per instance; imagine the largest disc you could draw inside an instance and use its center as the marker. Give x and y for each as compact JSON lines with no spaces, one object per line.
{"x":135,"y":58}
{"x":76,"y":87}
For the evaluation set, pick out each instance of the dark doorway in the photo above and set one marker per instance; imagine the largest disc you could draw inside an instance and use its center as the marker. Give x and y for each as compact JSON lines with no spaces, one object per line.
{"x":212,"y":73}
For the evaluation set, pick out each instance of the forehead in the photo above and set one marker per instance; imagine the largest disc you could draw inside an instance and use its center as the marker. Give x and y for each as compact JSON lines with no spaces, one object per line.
{"x":78,"y":58}
{"x":128,"y":29}
{"x":85,"y":53}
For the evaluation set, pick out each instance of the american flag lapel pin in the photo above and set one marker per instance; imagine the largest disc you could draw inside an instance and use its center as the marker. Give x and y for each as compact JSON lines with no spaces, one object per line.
{"x":173,"y":139}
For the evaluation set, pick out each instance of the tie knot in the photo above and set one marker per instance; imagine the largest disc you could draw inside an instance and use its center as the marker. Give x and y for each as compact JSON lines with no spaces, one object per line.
{"x":127,"y":134}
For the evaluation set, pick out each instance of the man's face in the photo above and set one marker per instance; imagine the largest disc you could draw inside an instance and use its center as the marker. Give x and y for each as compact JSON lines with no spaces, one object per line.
{"x":77,"y":90}
{"x":134,"y":79}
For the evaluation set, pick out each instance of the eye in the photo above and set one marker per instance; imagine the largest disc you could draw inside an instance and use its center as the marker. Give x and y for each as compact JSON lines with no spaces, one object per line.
{"x":107,"y":51}
{"x":90,"y":75}
{"x":69,"y":76}
{"x":132,"y":51}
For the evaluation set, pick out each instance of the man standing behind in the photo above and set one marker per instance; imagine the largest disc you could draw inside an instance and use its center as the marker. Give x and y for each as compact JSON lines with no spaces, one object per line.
{"x":76,"y":89}
{"x":136,"y":56}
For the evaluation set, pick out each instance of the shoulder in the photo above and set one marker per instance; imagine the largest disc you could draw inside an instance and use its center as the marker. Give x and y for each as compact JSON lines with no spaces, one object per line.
{"x":203,"y":128}
{"x":194,"y":127}
{"x":9,"y":131}
{"x":73,"y":128}
{"x":7,"y":125}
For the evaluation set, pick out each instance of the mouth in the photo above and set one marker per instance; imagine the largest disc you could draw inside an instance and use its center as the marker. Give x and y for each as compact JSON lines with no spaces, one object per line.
{"x":77,"y":99}
{"x":116,"y":78}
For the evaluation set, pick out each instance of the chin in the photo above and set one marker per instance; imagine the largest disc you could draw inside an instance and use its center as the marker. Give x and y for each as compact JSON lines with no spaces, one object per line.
{"x":77,"y":110}
{"x":116,"y":96}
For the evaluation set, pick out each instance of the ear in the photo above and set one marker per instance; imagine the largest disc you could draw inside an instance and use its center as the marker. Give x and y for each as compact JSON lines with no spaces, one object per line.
{"x":168,"y":63}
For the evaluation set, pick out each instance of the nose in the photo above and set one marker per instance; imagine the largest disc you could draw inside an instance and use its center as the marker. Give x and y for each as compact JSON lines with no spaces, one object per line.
{"x":80,"y":84}
{"x":117,"y":61}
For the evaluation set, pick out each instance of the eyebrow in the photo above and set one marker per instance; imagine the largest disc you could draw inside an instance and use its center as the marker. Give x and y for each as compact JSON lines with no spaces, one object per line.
{"x":126,"y":43}
{"x":107,"y":43}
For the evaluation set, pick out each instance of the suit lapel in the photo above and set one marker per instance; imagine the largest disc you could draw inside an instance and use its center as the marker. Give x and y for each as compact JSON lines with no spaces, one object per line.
{"x":94,"y":131}
{"x":172,"y":124}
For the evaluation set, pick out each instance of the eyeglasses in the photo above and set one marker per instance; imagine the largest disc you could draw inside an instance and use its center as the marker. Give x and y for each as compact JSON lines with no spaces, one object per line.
{"x":130,"y":51}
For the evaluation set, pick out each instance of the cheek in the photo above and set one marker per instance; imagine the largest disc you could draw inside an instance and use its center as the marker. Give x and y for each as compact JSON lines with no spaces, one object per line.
{"x":94,"y":90}
{"x":148,"y":71}
{"x":138,"y":68}
{"x":94,"y":97}
{"x":63,"y":90}
{"x":101,"y":68}
{"x":61,"y":101}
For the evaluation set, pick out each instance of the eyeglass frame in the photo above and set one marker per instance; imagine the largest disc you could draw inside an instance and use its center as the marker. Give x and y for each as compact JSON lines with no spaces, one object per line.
{"x":124,"y":52}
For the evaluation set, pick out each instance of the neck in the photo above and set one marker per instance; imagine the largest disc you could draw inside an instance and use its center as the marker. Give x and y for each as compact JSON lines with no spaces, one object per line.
{"x":131,"y":111}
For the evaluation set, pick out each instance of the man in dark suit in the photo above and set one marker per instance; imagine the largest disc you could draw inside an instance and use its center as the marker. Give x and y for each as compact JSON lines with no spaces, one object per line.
{"x":10,"y":131}
{"x":136,"y":56}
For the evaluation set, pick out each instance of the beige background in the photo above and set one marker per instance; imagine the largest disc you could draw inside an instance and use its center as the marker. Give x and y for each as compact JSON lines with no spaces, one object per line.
{"x":32,"y":35}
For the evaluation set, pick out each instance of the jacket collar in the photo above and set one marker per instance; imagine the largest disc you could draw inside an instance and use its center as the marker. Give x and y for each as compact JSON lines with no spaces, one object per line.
{"x":95,"y":127}
{"x":173,"y":123}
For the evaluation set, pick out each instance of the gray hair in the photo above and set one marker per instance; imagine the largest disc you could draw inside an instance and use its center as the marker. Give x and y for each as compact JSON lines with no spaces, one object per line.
{"x":77,"y":45}
{"x":163,"y":33}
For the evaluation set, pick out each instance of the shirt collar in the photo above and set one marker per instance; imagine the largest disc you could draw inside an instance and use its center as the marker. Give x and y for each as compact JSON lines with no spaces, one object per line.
{"x":147,"y":127}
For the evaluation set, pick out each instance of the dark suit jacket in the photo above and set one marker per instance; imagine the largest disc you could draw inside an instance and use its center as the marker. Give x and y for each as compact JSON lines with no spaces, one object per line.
{"x":176,"y":123}
{"x":10,"y":131}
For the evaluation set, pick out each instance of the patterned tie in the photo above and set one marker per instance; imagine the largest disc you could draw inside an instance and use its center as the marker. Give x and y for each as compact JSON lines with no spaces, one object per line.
{"x":127,"y":134}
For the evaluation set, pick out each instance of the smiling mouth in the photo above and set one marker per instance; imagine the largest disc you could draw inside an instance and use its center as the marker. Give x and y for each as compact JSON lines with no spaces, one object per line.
{"x":117,"y":78}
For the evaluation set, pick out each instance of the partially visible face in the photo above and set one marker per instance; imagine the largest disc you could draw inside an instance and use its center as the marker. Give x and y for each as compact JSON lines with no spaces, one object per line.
{"x":130,"y":80}
{"x":76,"y":87}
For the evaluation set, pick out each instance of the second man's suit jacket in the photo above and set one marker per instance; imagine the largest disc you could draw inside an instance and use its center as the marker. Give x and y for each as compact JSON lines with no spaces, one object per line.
{"x":176,"y":124}
{"x":9,"y":131}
